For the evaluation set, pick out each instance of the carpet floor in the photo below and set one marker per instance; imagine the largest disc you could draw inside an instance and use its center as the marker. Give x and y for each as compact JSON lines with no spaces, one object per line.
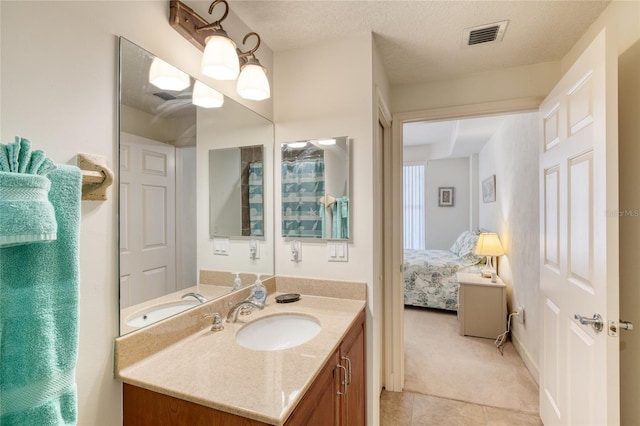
{"x":440,"y":362}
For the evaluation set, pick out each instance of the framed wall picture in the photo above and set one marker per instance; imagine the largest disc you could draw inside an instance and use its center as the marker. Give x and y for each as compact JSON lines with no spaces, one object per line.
{"x":489,"y":189}
{"x":445,"y":196}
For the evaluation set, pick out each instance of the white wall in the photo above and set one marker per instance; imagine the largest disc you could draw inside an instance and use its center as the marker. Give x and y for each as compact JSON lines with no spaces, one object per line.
{"x":512,"y":155}
{"x":445,"y":224}
{"x":321,"y":90}
{"x":511,"y":83}
{"x":69,"y":106}
{"x":186,"y":184}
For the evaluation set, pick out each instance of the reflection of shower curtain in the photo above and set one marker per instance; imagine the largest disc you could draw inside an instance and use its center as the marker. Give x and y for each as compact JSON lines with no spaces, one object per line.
{"x":256,"y":207}
{"x":302,"y":187}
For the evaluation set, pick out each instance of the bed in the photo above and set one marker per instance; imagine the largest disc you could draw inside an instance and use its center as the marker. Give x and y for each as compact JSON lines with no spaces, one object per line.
{"x":430,"y":275}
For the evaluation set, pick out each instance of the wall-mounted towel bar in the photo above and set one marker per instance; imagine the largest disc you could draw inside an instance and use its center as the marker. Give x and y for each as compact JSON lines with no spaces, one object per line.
{"x":96,"y":176}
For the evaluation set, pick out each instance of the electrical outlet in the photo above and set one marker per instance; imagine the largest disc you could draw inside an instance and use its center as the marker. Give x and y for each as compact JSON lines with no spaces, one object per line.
{"x":296,"y":251}
{"x":520,"y":311}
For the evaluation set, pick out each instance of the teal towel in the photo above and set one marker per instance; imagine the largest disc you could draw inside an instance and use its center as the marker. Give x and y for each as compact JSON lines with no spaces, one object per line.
{"x":26,"y":215}
{"x":17,"y":157}
{"x":340,"y":210}
{"x":39,"y":287}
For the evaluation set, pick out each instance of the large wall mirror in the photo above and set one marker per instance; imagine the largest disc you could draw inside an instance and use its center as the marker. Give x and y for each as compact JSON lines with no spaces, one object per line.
{"x":315,"y":189}
{"x":168,"y":191}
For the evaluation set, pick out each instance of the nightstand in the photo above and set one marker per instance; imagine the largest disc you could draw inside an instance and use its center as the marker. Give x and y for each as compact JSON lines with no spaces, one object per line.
{"x":482,"y":306}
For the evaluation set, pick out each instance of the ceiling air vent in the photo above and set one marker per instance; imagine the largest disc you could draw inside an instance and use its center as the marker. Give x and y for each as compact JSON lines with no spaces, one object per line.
{"x":164,"y":96}
{"x":490,"y":33}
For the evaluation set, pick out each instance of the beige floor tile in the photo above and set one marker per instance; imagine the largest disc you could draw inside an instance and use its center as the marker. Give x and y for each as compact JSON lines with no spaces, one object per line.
{"x":500,"y":417}
{"x":396,"y":408}
{"x":430,"y":410}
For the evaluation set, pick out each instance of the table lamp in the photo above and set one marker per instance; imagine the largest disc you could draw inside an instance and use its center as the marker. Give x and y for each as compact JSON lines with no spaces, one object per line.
{"x":489,"y":245}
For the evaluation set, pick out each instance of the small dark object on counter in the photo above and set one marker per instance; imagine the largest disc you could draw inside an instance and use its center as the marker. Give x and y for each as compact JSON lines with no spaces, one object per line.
{"x":288,"y":298}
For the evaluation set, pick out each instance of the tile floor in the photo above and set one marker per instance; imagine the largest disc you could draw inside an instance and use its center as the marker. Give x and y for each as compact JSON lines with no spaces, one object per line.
{"x":413,"y":409}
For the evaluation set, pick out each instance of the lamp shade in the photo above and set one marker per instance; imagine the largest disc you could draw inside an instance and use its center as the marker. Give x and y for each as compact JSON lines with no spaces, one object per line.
{"x":206,"y":97}
{"x":220,"y":59}
{"x":167,"y":77}
{"x":489,"y":245}
{"x":253,"y":83}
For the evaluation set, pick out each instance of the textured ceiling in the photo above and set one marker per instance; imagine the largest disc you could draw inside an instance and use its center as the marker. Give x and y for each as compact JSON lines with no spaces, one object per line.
{"x":421,"y":41}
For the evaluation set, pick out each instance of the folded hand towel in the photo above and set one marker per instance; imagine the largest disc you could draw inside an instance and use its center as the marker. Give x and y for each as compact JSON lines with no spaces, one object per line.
{"x":17,"y":157}
{"x":39,"y":317}
{"x":26,"y":215}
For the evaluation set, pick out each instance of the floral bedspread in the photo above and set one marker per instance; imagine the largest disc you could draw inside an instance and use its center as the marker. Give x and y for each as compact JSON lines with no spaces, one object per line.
{"x":430,"y":278}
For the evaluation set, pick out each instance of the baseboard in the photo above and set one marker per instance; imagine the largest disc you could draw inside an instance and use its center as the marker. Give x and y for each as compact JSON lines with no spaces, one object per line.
{"x":526,"y":358}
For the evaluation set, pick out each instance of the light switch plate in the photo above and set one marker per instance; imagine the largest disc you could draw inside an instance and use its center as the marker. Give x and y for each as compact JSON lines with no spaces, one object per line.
{"x":221,"y":246}
{"x":338,"y":251}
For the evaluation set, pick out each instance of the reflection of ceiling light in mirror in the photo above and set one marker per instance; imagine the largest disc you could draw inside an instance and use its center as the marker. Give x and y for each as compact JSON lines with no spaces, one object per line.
{"x":167,"y":77}
{"x":220,"y":60}
{"x":297,"y":145}
{"x":327,"y":141}
{"x":253,"y":83}
{"x":206,"y":97}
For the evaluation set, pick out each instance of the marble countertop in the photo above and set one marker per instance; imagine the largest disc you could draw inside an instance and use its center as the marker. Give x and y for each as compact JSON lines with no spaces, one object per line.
{"x":211,"y":369}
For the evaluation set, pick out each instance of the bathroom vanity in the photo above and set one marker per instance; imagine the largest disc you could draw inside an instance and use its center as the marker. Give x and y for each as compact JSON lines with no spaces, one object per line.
{"x":208,"y":378}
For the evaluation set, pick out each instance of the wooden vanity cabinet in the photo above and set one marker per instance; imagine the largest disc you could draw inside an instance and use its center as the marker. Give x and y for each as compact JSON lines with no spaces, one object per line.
{"x":321,"y":405}
{"x":353,"y":408}
{"x":326,"y":403}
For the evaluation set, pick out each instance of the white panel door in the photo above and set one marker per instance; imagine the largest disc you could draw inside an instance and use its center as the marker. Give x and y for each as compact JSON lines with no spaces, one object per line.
{"x":579,"y":371}
{"x":147,"y":219}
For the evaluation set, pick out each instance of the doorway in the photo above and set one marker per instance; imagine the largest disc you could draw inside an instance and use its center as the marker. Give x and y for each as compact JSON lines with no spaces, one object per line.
{"x":394,"y":314}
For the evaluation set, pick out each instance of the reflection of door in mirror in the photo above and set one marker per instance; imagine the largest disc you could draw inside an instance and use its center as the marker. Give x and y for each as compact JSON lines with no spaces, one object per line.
{"x":147,"y":203}
{"x":315,"y":189}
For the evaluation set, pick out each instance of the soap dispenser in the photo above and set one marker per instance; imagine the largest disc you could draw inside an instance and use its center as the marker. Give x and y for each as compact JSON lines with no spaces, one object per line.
{"x":237,"y":282}
{"x":259,"y":291}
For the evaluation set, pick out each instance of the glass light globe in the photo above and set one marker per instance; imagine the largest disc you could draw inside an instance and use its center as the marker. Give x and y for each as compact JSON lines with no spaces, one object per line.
{"x":253,"y":83}
{"x":167,"y":77}
{"x":220,"y":60}
{"x":206,"y":97}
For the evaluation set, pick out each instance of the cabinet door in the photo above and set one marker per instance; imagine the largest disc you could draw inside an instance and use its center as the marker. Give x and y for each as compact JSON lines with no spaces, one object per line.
{"x":319,"y":406}
{"x":352,"y":356}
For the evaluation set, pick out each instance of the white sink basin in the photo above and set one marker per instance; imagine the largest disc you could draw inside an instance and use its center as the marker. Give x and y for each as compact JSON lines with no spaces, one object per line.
{"x":278,"y":332}
{"x":157,"y":313}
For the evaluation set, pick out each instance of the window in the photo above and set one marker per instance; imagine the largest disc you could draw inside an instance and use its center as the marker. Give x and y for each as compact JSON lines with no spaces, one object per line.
{"x":414,"y":206}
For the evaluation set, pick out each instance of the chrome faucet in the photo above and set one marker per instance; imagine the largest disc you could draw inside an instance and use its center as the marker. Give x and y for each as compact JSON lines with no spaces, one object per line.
{"x":198,"y":296}
{"x":232,"y":316}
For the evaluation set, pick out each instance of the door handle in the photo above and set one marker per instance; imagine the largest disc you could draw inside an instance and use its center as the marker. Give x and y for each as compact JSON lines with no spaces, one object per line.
{"x":595,"y":321}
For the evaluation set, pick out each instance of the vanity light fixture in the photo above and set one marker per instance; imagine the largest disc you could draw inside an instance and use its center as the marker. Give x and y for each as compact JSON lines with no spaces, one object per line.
{"x":252,"y":82}
{"x":219,"y":60}
{"x":206,"y":97}
{"x":167,"y":77}
{"x":222,"y":60}
{"x":327,"y":141}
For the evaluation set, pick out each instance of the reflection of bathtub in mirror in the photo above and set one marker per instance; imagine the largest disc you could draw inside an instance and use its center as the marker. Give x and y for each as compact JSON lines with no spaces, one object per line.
{"x":134,"y":317}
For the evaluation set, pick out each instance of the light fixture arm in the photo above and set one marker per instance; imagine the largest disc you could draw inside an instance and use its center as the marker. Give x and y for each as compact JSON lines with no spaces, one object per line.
{"x":249,"y":52}
{"x":217,"y":25}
